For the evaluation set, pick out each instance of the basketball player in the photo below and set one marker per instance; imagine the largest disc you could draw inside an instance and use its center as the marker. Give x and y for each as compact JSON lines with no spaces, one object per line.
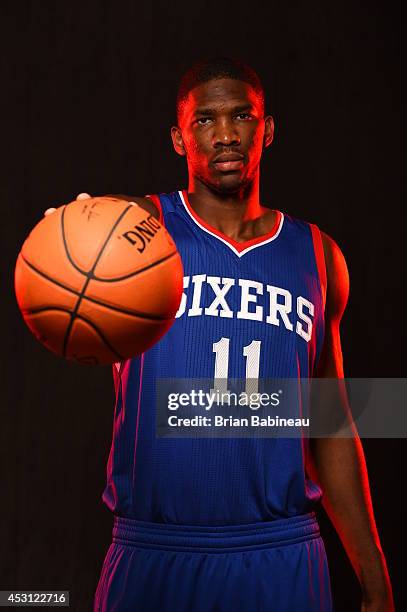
{"x":205,"y":525}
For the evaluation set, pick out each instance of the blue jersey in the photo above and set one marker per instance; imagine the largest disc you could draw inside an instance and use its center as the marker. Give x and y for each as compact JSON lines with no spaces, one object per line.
{"x":253,"y":309}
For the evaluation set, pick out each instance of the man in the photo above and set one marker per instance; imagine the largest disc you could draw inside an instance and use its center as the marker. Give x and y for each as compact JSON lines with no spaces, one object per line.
{"x":229,"y":524}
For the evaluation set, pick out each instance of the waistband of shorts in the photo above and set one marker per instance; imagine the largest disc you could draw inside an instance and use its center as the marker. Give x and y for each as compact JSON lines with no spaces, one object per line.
{"x":216,"y":539}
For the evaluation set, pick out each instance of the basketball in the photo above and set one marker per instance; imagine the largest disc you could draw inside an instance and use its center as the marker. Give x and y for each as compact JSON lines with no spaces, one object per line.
{"x":99,"y":280}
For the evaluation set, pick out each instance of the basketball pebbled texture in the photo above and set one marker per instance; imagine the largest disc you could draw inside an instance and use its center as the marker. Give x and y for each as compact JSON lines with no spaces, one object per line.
{"x":99,"y":280}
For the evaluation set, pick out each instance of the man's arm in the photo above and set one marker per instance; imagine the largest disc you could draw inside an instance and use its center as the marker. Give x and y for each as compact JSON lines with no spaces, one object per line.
{"x":145,"y":203}
{"x":338,"y":464}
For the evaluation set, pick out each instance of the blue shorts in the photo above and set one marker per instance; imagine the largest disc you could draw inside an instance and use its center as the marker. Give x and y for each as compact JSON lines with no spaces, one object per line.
{"x":277,"y":566}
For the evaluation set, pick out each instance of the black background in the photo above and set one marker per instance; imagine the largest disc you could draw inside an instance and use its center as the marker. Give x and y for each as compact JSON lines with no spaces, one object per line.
{"x":87,"y":102}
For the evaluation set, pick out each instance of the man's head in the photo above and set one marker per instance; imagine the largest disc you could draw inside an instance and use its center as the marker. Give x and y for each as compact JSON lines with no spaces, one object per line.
{"x":221,"y":124}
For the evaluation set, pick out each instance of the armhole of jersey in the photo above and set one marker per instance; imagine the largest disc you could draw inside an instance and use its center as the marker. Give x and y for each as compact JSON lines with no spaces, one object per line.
{"x":117,"y":368}
{"x":320,"y":259}
{"x":156,"y":200}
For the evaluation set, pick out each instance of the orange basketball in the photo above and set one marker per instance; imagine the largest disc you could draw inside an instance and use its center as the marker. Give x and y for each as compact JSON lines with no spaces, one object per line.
{"x":99,"y":280}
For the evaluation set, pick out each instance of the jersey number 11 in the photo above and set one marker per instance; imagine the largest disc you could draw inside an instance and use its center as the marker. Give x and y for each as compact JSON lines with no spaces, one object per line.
{"x":252,"y":354}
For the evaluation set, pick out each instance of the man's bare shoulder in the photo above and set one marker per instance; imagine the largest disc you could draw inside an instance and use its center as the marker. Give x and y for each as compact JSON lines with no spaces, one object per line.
{"x":334,"y":258}
{"x":337,"y":275}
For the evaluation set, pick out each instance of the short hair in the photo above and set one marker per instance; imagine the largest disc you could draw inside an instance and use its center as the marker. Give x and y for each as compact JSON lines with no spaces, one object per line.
{"x":216,"y":68}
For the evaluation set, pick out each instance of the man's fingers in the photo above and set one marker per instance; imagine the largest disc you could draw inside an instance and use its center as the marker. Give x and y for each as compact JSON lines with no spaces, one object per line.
{"x":83,"y":196}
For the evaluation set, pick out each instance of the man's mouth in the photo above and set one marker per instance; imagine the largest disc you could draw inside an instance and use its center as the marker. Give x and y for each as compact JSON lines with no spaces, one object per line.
{"x":227,"y":162}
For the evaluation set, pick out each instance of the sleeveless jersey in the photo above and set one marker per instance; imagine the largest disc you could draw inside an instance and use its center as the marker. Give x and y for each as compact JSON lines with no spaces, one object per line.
{"x":267,"y":293}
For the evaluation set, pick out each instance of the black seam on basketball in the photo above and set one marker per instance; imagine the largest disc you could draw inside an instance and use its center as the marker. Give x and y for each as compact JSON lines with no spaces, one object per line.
{"x":53,"y":280}
{"x":135,"y":313}
{"x":121,"y":310}
{"x":97,"y":330}
{"x":64,"y":241}
{"x":90,"y":276}
{"x":81,"y":318}
{"x":119,"y":278}
{"x":30,"y":311}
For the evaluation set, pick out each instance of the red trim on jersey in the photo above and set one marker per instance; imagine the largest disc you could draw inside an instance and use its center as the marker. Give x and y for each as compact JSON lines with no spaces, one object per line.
{"x":140,"y":388}
{"x":156,"y":200}
{"x":320,"y":258}
{"x":239,"y":246}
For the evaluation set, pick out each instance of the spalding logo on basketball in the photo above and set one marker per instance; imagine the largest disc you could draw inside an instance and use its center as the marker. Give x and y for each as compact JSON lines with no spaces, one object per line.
{"x":99,"y":280}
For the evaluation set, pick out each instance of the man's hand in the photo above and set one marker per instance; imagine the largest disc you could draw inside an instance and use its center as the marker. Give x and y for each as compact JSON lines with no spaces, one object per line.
{"x":381,"y":603}
{"x":378,"y":605}
{"x":145,"y":203}
{"x":376,"y":588}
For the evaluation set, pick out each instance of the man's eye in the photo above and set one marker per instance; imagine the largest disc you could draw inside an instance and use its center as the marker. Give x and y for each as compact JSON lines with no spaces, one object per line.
{"x":244,"y":116}
{"x":204,"y":120}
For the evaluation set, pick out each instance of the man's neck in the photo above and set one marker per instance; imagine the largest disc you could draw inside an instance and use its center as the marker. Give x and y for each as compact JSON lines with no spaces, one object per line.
{"x":232,"y":214}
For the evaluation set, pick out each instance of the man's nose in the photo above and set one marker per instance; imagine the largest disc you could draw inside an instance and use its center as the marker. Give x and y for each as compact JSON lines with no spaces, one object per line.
{"x":226,"y":134}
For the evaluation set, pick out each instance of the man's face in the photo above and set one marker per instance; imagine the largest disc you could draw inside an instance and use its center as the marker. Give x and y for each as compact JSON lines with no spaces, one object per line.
{"x":222,"y":131}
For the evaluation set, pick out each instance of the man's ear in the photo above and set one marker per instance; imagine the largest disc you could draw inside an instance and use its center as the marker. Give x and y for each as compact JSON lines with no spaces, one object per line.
{"x":177,"y":140}
{"x":268,"y":130}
